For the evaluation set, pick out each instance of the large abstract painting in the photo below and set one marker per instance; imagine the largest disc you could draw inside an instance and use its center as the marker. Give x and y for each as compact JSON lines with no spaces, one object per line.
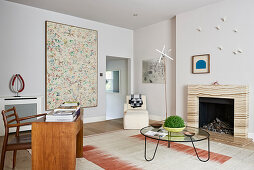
{"x":71,"y":65}
{"x":153,"y":71}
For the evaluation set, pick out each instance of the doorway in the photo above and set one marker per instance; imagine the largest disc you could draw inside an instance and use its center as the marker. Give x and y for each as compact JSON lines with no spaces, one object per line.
{"x":117,"y":86}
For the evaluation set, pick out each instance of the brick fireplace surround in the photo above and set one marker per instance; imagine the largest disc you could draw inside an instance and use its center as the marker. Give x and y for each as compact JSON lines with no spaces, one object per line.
{"x":239,"y":93}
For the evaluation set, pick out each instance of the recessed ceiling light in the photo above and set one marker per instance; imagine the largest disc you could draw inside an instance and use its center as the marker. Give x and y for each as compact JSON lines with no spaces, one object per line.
{"x":135,"y":14}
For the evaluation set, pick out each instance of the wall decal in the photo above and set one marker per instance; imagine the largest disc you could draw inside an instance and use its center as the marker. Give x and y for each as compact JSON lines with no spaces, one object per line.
{"x":218,"y":27}
{"x":220,"y":48}
{"x":240,"y":51}
{"x":223,"y":19}
{"x":71,"y":65}
{"x":201,"y":64}
{"x":237,"y":51}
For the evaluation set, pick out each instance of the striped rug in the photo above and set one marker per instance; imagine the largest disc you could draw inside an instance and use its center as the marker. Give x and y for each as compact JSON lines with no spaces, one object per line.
{"x":124,"y":150}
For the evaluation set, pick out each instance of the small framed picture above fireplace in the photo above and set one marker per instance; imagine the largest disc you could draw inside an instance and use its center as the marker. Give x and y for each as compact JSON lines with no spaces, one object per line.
{"x":201,"y":64}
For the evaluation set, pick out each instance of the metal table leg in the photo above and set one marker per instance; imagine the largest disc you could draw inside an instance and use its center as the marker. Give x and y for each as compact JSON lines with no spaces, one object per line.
{"x":197,"y":153}
{"x":154,"y":151}
{"x":168,"y":139}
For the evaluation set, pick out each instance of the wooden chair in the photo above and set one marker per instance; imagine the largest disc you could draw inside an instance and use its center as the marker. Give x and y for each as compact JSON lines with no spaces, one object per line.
{"x":19,"y":142}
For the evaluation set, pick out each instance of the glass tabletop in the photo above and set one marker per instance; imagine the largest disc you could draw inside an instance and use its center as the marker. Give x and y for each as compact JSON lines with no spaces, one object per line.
{"x":162,"y":134}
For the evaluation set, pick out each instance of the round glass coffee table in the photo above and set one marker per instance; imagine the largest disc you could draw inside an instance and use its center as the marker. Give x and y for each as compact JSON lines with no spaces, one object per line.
{"x":161,"y":134}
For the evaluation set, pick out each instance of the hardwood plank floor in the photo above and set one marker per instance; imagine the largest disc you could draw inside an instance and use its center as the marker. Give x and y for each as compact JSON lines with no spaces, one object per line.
{"x":102,"y":127}
{"x":24,"y":158}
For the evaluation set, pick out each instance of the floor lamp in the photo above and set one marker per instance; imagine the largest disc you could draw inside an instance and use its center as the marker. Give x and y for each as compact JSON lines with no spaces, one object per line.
{"x":163,"y":57}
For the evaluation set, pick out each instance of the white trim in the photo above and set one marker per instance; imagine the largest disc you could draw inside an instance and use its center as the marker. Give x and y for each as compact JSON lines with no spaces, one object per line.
{"x":110,"y":117}
{"x":94,"y":119}
{"x":155,"y":117}
{"x":251,"y":135}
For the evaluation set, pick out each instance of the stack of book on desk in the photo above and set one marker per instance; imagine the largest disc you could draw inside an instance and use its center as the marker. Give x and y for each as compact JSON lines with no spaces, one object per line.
{"x":67,"y":112}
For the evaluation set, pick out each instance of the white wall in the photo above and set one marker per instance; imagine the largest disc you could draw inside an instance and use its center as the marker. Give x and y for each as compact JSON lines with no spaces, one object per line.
{"x":226,"y":67}
{"x":146,"y":40}
{"x":23,"y":50}
{"x":115,"y":101}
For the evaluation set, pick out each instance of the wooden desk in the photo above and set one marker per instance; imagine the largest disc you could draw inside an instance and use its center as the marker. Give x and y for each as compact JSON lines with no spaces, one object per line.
{"x":56,"y":145}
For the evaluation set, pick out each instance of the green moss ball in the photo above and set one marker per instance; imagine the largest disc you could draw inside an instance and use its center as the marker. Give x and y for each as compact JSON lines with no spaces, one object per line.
{"x":174,"y":122}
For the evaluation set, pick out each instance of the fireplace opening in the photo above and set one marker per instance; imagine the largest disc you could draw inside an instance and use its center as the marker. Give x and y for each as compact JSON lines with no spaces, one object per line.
{"x":216,"y":114}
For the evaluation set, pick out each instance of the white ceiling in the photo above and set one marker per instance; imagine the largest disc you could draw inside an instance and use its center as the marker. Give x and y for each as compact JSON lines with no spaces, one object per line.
{"x":120,"y":12}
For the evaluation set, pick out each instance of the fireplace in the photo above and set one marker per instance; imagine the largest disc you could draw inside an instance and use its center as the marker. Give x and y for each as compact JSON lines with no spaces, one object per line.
{"x":216,"y":114}
{"x":236,"y":105}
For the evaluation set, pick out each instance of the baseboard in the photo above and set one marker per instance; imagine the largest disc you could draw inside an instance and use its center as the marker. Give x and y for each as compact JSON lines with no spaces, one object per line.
{"x":94,"y":119}
{"x":114,"y":117}
{"x":155,"y":117}
{"x":251,"y":135}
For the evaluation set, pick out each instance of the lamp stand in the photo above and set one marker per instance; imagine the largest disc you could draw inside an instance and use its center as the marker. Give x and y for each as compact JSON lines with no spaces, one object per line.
{"x":165,"y":84}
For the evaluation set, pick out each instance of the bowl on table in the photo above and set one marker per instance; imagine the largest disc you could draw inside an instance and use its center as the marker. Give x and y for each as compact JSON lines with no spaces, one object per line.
{"x":189,"y":134}
{"x":156,"y":125}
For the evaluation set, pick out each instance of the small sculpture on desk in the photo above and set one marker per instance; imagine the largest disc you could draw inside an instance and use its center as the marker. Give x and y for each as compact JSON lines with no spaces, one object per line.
{"x":215,"y":83}
{"x":17,"y":84}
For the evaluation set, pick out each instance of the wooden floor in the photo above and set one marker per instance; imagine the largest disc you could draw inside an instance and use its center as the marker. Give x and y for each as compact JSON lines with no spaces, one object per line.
{"x":24,"y":158}
{"x":102,"y":127}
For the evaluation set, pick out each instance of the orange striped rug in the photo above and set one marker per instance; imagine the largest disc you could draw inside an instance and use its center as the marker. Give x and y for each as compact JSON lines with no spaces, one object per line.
{"x":124,"y":150}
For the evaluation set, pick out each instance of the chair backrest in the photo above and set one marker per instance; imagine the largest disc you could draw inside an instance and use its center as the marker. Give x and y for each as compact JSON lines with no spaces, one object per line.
{"x":10,"y":116}
{"x":143,"y":107}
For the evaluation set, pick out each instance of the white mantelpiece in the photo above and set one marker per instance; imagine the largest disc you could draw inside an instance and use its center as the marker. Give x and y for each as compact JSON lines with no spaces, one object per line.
{"x":239,"y":93}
